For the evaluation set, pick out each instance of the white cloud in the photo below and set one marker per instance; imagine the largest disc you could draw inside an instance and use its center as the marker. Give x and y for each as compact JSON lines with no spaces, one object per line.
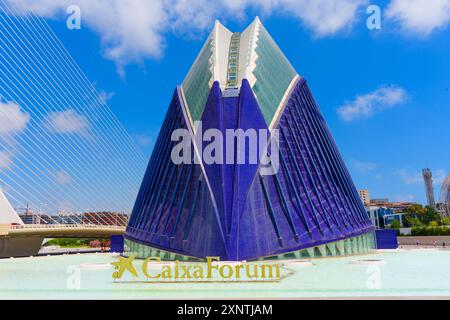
{"x":129,"y":29}
{"x":419,"y":16}
{"x":367,"y":105}
{"x":68,"y":122}
{"x":324,"y":17}
{"x":132,"y":30}
{"x":364,"y":167}
{"x":191,"y":16}
{"x":104,"y":97}
{"x":411,"y":178}
{"x":5,"y":160}
{"x":63,"y":178}
{"x":439,"y":176}
{"x":405,"y":198}
{"x":12,"y":119}
{"x":143,"y":140}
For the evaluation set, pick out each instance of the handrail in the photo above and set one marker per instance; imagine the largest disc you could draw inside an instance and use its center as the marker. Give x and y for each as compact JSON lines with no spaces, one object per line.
{"x":64,"y":226}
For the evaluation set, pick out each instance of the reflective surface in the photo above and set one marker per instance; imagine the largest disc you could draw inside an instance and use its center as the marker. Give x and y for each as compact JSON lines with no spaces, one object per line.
{"x":404,"y":273}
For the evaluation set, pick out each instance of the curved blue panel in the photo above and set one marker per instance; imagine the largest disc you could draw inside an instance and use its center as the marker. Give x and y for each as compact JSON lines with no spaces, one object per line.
{"x":174,"y":210}
{"x":311,"y":200}
{"x":235,"y":213}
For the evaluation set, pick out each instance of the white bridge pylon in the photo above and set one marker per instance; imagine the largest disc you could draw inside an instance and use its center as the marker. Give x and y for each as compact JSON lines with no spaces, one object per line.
{"x":7,"y":214}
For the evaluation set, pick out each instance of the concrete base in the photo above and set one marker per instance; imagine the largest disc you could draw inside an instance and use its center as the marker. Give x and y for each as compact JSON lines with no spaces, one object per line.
{"x":424,"y":240}
{"x":20,"y":247}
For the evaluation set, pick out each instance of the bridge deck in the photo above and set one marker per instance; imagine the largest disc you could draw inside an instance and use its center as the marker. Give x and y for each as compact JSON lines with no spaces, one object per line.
{"x":65,"y":231}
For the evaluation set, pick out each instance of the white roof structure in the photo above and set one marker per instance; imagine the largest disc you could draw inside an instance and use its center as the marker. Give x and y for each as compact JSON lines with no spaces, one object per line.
{"x":7,"y":213}
{"x":230,"y":57}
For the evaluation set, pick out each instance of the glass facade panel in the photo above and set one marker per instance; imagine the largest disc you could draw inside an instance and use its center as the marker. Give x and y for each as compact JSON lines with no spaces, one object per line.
{"x":362,"y":244}
{"x":196,"y":86}
{"x":270,"y":86}
{"x":232,"y":80}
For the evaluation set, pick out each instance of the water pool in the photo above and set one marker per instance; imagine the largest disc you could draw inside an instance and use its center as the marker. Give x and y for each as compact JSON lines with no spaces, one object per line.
{"x":407,"y":273}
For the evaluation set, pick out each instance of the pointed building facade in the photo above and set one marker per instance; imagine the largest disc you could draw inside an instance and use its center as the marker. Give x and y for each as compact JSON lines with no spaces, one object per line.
{"x":308,"y":208}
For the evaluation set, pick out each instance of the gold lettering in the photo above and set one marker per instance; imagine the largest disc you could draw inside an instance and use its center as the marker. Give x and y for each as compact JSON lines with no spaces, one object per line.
{"x":255,"y":271}
{"x":270,"y":267}
{"x":210,"y":266}
{"x":198,"y":272}
{"x":228,"y":274}
{"x":177,"y":269}
{"x":145,"y":267}
{"x":238,"y":270}
{"x":166,"y":272}
{"x":187,"y":273}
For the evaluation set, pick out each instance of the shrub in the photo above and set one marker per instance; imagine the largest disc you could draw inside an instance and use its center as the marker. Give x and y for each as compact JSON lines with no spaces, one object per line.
{"x":446,"y":231}
{"x":431,"y":231}
{"x":395,"y":224}
{"x":446,"y":221}
{"x":95,"y":244}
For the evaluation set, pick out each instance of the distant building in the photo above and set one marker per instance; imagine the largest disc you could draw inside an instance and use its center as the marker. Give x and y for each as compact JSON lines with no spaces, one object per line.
{"x":445,"y":195}
{"x":400,"y":207}
{"x":442,"y":209}
{"x":389,"y":218}
{"x":105,"y":218}
{"x":32,"y":218}
{"x":377,"y":215}
{"x":379,"y":201}
{"x":65,"y":217}
{"x":428,"y":180}
{"x":374,"y":217}
{"x":397,"y":207}
{"x":364,"y":196}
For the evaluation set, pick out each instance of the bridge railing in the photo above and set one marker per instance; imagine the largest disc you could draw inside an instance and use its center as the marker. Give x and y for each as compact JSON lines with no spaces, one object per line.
{"x":64,"y":226}
{"x":86,"y":219}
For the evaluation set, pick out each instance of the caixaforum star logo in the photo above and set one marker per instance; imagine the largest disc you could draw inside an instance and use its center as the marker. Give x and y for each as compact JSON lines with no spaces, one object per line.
{"x":212,"y":270}
{"x":124,"y":264}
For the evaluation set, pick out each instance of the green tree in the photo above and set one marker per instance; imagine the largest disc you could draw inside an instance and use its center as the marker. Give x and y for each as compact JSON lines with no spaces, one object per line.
{"x":395,"y":224}
{"x":433,"y":224}
{"x":425,"y":215}
{"x":413,"y":213}
{"x":430,"y":215}
{"x":414,"y":222}
{"x":415,"y":209}
{"x":446,"y":221}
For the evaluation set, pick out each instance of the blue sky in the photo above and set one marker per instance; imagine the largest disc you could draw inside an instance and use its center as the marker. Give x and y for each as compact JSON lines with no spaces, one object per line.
{"x":387,"y":139}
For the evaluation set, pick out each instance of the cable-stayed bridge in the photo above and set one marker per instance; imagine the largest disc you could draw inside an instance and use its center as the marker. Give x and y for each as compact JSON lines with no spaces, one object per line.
{"x":18,"y":239}
{"x":61,"y":146}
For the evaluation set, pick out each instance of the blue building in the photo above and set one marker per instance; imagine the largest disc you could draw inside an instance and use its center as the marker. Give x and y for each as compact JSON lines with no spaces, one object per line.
{"x":390,"y":218}
{"x":308,"y":206}
{"x":377,"y":214}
